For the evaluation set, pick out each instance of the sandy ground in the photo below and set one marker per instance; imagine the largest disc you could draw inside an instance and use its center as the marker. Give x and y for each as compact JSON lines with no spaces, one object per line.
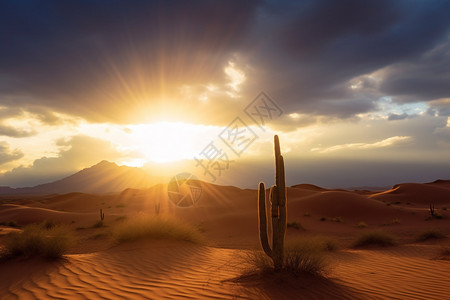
{"x":96,"y":268}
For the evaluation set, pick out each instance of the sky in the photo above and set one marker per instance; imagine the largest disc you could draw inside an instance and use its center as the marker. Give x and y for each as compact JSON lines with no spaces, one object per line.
{"x":358,"y":91}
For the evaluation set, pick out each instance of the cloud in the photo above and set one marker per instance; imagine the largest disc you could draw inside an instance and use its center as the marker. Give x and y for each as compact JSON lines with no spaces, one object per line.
{"x":319,"y":47}
{"x":363,"y":146}
{"x":109,"y":61}
{"x":127,"y":61}
{"x":440,"y":108}
{"x":75,"y":153}
{"x":397,"y":117}
{"x":14,"y":132}
{"x":7,"y":154}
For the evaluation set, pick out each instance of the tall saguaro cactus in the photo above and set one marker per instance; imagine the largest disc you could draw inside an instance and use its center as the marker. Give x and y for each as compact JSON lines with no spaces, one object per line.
{"x":277,"y":202}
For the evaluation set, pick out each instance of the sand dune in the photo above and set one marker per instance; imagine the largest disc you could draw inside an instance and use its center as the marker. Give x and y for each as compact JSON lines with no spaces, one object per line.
{"x":436,"y":193}
{"x":25,"y":215}
{"x":171,"y":270}
{"x":337,"y":203}
{"x":227,"y":215}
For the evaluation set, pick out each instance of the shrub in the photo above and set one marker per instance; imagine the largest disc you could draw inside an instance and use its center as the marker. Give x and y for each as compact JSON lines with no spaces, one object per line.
{"x":362,"y":225}
{"x":376,"y":238}
{"x":445,"y":251}
{"x":156,"y":228}
{"x":323,"y":219}
{"x":308,"y":214}
{"x":48,"y":224}
{"x":98,"y":224}
{"x":9,"y":223}
{"x":39,"y":240}
{"x":430,"y":234}
{"x":338,"y":220}
{"x":300,"y":260}
{"x":295,"y":225}
{"x":301,"y":256}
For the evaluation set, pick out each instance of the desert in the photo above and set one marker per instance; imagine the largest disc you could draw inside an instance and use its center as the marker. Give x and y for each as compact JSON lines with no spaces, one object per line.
{"x":238,"y":149}
{"x":414,"y":266}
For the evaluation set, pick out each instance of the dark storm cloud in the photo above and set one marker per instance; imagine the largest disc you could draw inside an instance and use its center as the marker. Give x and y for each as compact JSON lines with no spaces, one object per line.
{"x":91,"y":58}
{"x":423,"y":79}
{"x":440,"y":108}
{"x":327,"y":43}
{"x":73,"y":55}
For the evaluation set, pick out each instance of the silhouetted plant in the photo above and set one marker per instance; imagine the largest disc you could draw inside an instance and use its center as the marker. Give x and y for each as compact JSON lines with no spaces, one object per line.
{"x":430,"y":234}
{"x":39,"y":240}
{"x":433,"y":213}
{"x":295,"y":225}
{"x":337,"y":219}
{"x":98,"y":224}
{"x":376,"y":238}
{"x":102,"y":215}
{"x":362,"y":225}
{"x":277,"y":202}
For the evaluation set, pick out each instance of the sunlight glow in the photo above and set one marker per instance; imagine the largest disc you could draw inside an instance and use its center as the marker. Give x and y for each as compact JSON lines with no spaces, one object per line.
{"x":236,"y":76}
{"x":168,"y":141}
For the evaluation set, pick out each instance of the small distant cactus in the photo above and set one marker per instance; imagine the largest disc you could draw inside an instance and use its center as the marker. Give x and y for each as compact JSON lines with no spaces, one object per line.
{"x":432,"y":210}
{"x":157,"y":208}
{"x":102,"y":215}
{"x":277,"y":198}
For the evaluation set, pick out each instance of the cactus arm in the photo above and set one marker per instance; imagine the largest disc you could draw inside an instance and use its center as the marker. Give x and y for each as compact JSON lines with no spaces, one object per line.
{"x":282,"y":220}
{"x":277,"y":200}
{"x":277,"y":255}
{"x":277,"y":154}
{"x":282,"y":180}
{"x":262,"y":216}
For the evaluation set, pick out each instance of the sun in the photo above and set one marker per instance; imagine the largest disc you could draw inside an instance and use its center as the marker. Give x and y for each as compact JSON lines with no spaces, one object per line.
{"x":164,"y":142}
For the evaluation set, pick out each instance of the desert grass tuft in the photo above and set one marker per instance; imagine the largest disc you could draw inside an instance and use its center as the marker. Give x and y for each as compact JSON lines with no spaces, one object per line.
{"x":9,"y":223}
{"x":159,"y":227}
{"x":98,"y":224}
{"x":39,"y":240}
{"x":362,"y":225}
{"x":429,"y":234}
{"x":445,"y":251}
{"x":375,"y":238}
{"x":295,"y":225}
{"x":302,"y":256}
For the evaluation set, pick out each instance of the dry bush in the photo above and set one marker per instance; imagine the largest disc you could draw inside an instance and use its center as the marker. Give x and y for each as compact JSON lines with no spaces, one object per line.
{"x":362,"y":225}
{"x":302,"y":256}
{"x":375,"y":238}
{"x":39,"y":240}
{"x":156,"y":228}
{"x":428,"y":234}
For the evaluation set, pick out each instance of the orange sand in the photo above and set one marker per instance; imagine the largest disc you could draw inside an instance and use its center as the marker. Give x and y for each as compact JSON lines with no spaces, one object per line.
{"x":96,"y":268}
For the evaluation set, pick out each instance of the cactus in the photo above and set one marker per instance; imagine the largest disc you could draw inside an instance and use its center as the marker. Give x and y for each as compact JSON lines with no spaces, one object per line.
{"x":157,"y":208}
{"x":432,"y":210}
{"x":277,"y":198}
{"x":102,"y":215}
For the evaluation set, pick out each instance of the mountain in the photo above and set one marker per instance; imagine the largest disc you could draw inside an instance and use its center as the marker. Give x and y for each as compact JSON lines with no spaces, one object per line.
{"x":103,"y":177}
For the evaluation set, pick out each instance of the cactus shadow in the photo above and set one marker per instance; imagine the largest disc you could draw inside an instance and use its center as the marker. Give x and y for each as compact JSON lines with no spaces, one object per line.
{"x":286,"y":286}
